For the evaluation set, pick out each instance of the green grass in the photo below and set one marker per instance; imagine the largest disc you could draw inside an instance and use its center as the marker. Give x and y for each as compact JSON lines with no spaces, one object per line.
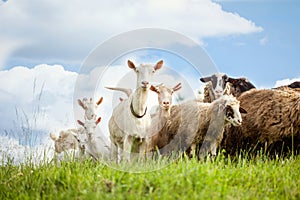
{"x":223,"y":178}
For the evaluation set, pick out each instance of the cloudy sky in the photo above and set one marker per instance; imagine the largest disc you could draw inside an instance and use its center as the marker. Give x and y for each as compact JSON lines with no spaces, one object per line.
{"x":46,"y":46}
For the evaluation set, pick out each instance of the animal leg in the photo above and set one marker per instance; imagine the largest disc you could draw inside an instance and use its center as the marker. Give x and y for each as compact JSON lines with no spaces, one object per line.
{"x":127,"y":148}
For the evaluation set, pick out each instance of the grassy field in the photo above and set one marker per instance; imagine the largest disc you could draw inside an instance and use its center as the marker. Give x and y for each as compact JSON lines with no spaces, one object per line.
{"x":223,"y":178}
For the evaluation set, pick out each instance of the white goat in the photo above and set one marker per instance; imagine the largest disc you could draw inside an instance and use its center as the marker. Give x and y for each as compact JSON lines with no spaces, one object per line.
{"x":130,"y":121}
{"x":95,"y":146}
{"x":165,"y":95}
{"x":89,"y":107}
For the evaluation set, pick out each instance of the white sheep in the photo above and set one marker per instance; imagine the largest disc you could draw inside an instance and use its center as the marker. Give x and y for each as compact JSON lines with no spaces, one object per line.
{"x":96,"y":146}
{"x":130,"y":121}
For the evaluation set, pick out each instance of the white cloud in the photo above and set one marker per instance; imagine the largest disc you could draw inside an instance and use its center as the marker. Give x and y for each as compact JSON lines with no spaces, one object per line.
{"x":43,"y":94}
{"x":68,"y":31}
{"x":285,"y":82}
{"x":263,"y":41}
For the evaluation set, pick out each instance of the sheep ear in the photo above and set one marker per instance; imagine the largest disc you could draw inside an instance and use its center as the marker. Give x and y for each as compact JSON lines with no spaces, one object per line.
{"x":100,"y":101}
{"x":242,"y":110}
{"x":177,"y":87}
{"x":227,"y":89}
{"x":159,"y":65}
{"x":98,"y":120}
{"x":80,"y":103}
{"x":80,"y":122}
{"x":131,"y":64}
{"x":205,"y":79}
{"x":153,"y":88}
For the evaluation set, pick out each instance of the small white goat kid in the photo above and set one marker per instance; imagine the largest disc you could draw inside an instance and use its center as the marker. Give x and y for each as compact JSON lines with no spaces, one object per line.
{"x":89,"y":107}
{"x":130,"y":121}
{"x":96,"y":146}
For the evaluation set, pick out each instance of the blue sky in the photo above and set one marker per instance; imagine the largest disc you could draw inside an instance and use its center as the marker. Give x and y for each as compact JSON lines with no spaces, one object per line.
{"x":264,"y":57}
{"x":43,"y":45}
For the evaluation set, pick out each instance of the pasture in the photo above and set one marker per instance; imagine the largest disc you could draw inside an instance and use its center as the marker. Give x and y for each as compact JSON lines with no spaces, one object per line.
{"x":241,"y":177}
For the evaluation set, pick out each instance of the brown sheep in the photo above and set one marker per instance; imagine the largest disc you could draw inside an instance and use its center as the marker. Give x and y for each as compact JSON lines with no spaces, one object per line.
{"x":272,"y":117}
{"x":295,"y":86}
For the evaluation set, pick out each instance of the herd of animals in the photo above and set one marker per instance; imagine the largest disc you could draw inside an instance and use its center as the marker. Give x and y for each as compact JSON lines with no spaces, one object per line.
{"x":232,"y":115}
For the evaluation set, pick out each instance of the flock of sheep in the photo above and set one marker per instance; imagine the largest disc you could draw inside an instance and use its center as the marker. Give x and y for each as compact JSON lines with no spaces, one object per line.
{"x":233,"y":115}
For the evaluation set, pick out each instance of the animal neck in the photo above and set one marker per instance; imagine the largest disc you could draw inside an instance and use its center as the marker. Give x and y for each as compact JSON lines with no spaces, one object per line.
{"x":163,"y":118}
{"x":138,"y":104}
{"x":164,"y":113}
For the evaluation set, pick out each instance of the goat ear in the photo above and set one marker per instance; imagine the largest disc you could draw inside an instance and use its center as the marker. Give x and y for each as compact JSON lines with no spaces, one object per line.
{"x":98,"y":120}
{"x":53,"y":136}
{"x":153,"y":88}
{"x":80,"y":122}
{"x":100,"y":101}
{"x":227,"y":89}
{"x":177,"y":87}
{"x":74,"y":134}
{"x":131,"y":64}
{"x":80,"y":103}
{"x":205,"y":79}
{"x":242,"y":110}
{"x":159,"y":65}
